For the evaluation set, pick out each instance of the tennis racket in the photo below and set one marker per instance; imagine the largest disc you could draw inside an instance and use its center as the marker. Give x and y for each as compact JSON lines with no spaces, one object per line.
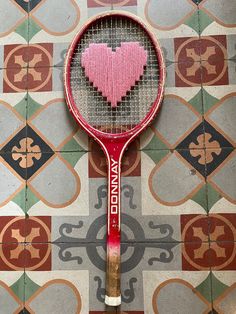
{"x":114,"y":79}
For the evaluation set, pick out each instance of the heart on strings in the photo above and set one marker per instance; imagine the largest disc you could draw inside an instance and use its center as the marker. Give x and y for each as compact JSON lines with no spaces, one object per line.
{"x":114,"y":73}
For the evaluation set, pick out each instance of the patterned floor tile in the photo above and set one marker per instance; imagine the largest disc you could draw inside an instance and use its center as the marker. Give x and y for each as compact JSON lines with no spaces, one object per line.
{"x":13,"y":116}
{"x":183,"y":290}
{"x":16,"y":56}
{"x":195,"y":228}
{"x":213,"y":50}
{"x":20,"y":256}
{"x":12,"y":291}
{"x":231,"y":72}
{"x":71,"y":15}
{"x":217,"y":76}
{"x":170,"y":129}
{"x":15,"y":22}
{"x":68,"y":291}
{"x":52,"y":126}
{"x":173,"y":182}
{"x":188,"y":74}
{"x":59,"y":183}
{"x":160,"y":15}
{"x":129,"y":6}
{"x":223,"y":255}
{"x":40,"y":79}
{"x":221,"y":115}
{"x":183,"y":74}
{"x":223,"y":13}
{"x":48,"y":183}
{"x":187,"y":49}
{"x":231,"y":48}
{"x":223,"y":291}
{"x":59,"y":53}
{"x":223,"y":178}
{"x":173,"y":112}
{"x":197,"y":255}
{"x":68,"y":15}
{"x":13,"y":256}
{"x":12,"y":196}
{"x":15,"y":81}
{"x":13,"y":230}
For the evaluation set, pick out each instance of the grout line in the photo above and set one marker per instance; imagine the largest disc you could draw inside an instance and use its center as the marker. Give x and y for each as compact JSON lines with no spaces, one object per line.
{"x":122,"y":242}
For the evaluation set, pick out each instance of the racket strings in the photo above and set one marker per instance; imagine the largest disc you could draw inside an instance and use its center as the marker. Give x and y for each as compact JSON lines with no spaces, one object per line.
{"x":136,"y":104}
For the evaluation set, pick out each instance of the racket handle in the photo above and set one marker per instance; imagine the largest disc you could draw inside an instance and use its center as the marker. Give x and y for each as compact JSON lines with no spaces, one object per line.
{"x":113,"y":295}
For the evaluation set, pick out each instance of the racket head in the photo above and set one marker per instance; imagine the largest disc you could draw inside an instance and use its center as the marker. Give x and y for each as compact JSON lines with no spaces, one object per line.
{"x":74,"y":106}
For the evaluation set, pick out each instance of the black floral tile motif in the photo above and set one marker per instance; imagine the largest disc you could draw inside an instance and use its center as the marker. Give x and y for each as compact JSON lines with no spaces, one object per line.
{"x":197,"y":1}
{"x":193,"y":137}
{"x":24,"y":311}
{"x":26,"y":155}
{"x":28,"y":5}
{"x":33,"y":4}
{"x":23,"y":4}
{"x":205,"y":151}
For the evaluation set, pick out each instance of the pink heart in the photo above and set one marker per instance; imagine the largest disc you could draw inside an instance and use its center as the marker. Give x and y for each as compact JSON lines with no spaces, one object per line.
{"x":113,"y":73}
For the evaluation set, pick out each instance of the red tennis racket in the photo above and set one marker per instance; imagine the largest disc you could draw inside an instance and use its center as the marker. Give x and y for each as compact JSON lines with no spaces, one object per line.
{"x":114,"y":79}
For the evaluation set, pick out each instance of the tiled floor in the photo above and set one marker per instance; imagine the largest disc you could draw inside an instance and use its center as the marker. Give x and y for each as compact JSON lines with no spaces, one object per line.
{"x":179,"y":178}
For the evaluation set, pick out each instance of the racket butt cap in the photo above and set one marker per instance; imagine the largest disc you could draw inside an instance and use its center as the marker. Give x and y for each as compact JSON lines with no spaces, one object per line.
{"x":113,"y":301}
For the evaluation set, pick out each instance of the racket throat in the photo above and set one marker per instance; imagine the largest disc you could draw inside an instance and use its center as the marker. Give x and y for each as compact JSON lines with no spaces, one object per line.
{"x":114,"y":154}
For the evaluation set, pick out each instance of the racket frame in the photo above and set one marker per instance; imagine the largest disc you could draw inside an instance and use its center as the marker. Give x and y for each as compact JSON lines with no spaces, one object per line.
{"x":114,"y":146}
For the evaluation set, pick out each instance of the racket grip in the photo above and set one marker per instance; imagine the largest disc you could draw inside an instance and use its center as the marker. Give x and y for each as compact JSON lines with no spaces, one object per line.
{"x":113,"y":295}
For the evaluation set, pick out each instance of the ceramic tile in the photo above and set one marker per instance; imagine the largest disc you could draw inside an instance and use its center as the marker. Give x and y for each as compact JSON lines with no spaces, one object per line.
{"x":15,"y":81}
{"x":219,"y":113}
{"x":13,"y":256}
{"x":20,"y":256}
{"x":160,"y":16}
{"x":168,"y":129}
{"x":12,"y":291}
{"x":222,"y":255}
{"x":231,"y":72}
{"x":188,"y":74}
{"x":12,"y":196}
{"x":103,"y":3}
{"x":13,"y":231}
{"x":222,"y":179}
{"x":197,"y":255}
{"x":187,"y":49}
{"x":173,"y":180}
{"x":71,"y":291}
{"x":222,"y":14}
{"x":15,"y":26}
{"x":223,"y":288}
{"x":184,"y":290}
{"x":13,"y":120}
{"x":213,"y":50}
{"x":195,"y":229}
{"x":58,"y":181}
{"x":68,"y":16}
{"x":51,"y":125}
